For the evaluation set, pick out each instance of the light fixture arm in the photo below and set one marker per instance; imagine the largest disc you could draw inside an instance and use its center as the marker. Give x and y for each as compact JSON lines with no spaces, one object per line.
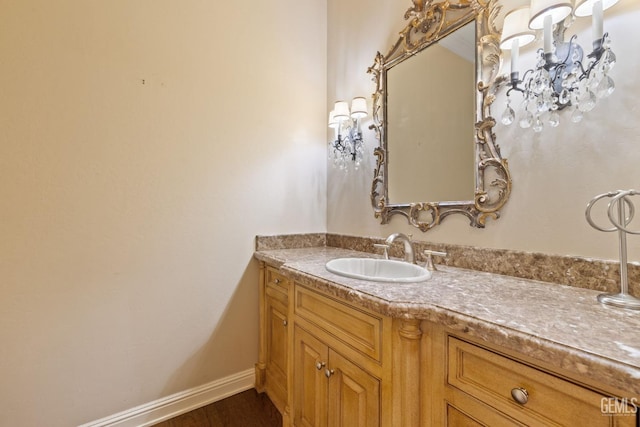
{"x":516,"y":82}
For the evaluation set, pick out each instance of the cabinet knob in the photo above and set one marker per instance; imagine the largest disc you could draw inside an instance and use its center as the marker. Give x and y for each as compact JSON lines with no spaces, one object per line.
{"x":285,"y":323}
{"x":276,"y":281}
{"x":520,"y":395}
{"x":320,"y":365}
{"x":329,"y":372}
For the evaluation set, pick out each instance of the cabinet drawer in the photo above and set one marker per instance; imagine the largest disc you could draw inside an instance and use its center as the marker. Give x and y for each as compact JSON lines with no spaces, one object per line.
{"x":490,"y":378}
{"x":275,"y":292}
{"x":275,"y":279}
{"x":356,"y":328}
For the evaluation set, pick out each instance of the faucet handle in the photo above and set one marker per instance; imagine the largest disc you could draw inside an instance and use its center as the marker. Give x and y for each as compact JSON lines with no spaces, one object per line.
{"x":429,"y":264}
{"x":383,"y":247}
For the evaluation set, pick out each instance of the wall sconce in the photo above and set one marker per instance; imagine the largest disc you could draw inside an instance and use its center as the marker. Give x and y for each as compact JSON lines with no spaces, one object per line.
{"x":348,"y":147}
{"x":560,"y":78}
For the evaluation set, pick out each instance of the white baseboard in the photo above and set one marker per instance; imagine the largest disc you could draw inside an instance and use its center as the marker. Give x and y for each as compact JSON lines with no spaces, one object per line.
{"x":171,"y":406}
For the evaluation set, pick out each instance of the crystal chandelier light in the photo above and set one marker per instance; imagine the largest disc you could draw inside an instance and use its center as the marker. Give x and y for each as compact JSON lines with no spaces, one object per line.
{"x":347,"y":147}
{"x":562,"y":77}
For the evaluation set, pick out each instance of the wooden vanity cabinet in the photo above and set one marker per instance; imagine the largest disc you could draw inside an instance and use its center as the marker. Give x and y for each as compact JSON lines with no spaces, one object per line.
{"x":323,"y":361}
{"x":326,"y":362}
{"x":481,"y":385}
{"x":331,"y":390}
{"x":337,"y":369}
{"x":273,"y":366}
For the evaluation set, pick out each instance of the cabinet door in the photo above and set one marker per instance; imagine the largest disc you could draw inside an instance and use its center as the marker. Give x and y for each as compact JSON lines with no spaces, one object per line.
{"x":310,"y":382}
{"x":354,"y":395}
{"x":276,"y":341}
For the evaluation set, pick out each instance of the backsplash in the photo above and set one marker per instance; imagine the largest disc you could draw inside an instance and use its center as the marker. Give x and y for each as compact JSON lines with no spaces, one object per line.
{"x":291,"y":241}
{"x":574,"y":271}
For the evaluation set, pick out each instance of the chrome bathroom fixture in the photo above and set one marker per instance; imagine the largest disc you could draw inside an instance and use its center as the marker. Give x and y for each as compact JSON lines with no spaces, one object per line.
{"x":430,"y":265}
{"x":620,"y":218}
{"x":347,"y":147}
{"x":409,"y":251}
{"x":561,"y":77}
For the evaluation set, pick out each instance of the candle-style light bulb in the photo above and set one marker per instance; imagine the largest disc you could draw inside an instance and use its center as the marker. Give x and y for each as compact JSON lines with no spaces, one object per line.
{"x":596,"y":9}
{"x":545,"y":13}
{"x":598,"y":27}
{"x":515,"y":53}
{"x":515,"y":34}
{"x":548,"y":38}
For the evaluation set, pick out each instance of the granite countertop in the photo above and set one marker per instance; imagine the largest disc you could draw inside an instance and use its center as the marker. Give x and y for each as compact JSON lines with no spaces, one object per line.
{"x":561,"y":326}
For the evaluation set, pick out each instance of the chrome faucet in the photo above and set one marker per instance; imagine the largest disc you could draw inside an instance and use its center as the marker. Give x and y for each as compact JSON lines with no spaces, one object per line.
{"x":409,"y":254}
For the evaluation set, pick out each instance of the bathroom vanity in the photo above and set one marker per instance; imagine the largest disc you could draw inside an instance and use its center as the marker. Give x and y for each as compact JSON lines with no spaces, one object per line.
{"x":467,"y":347}
{"x":463,"y":348}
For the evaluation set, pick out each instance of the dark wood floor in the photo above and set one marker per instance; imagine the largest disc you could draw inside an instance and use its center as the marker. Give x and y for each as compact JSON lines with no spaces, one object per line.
{"x":246,"y":409}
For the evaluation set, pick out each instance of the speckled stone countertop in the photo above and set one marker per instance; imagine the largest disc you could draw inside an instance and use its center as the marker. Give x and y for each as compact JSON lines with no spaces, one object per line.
{"x":561,"y":326}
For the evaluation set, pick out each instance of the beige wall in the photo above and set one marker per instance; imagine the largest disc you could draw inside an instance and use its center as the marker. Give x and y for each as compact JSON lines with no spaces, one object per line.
{"x":554,"y":173}
{"x":143,"y":145}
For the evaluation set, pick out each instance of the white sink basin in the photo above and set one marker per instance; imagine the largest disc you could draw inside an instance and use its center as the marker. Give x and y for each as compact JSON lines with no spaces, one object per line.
{"x":378,"y":270}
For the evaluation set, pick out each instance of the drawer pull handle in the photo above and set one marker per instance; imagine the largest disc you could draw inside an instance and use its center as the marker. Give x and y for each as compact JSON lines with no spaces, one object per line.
{"x":285,"y":323}
{"x":329,"y":372}
{"x":276,"y":281}
{"x":320,"y":365}
{"x":520,"y":395}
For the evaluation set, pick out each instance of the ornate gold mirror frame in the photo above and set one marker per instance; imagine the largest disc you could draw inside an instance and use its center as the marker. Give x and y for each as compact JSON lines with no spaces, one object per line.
{"x":429,"y":21}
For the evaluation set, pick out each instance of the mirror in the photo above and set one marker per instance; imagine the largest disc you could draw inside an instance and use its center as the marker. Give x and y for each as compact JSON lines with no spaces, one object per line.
{"x":430,"y":116}
{"x":437,"y":154}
